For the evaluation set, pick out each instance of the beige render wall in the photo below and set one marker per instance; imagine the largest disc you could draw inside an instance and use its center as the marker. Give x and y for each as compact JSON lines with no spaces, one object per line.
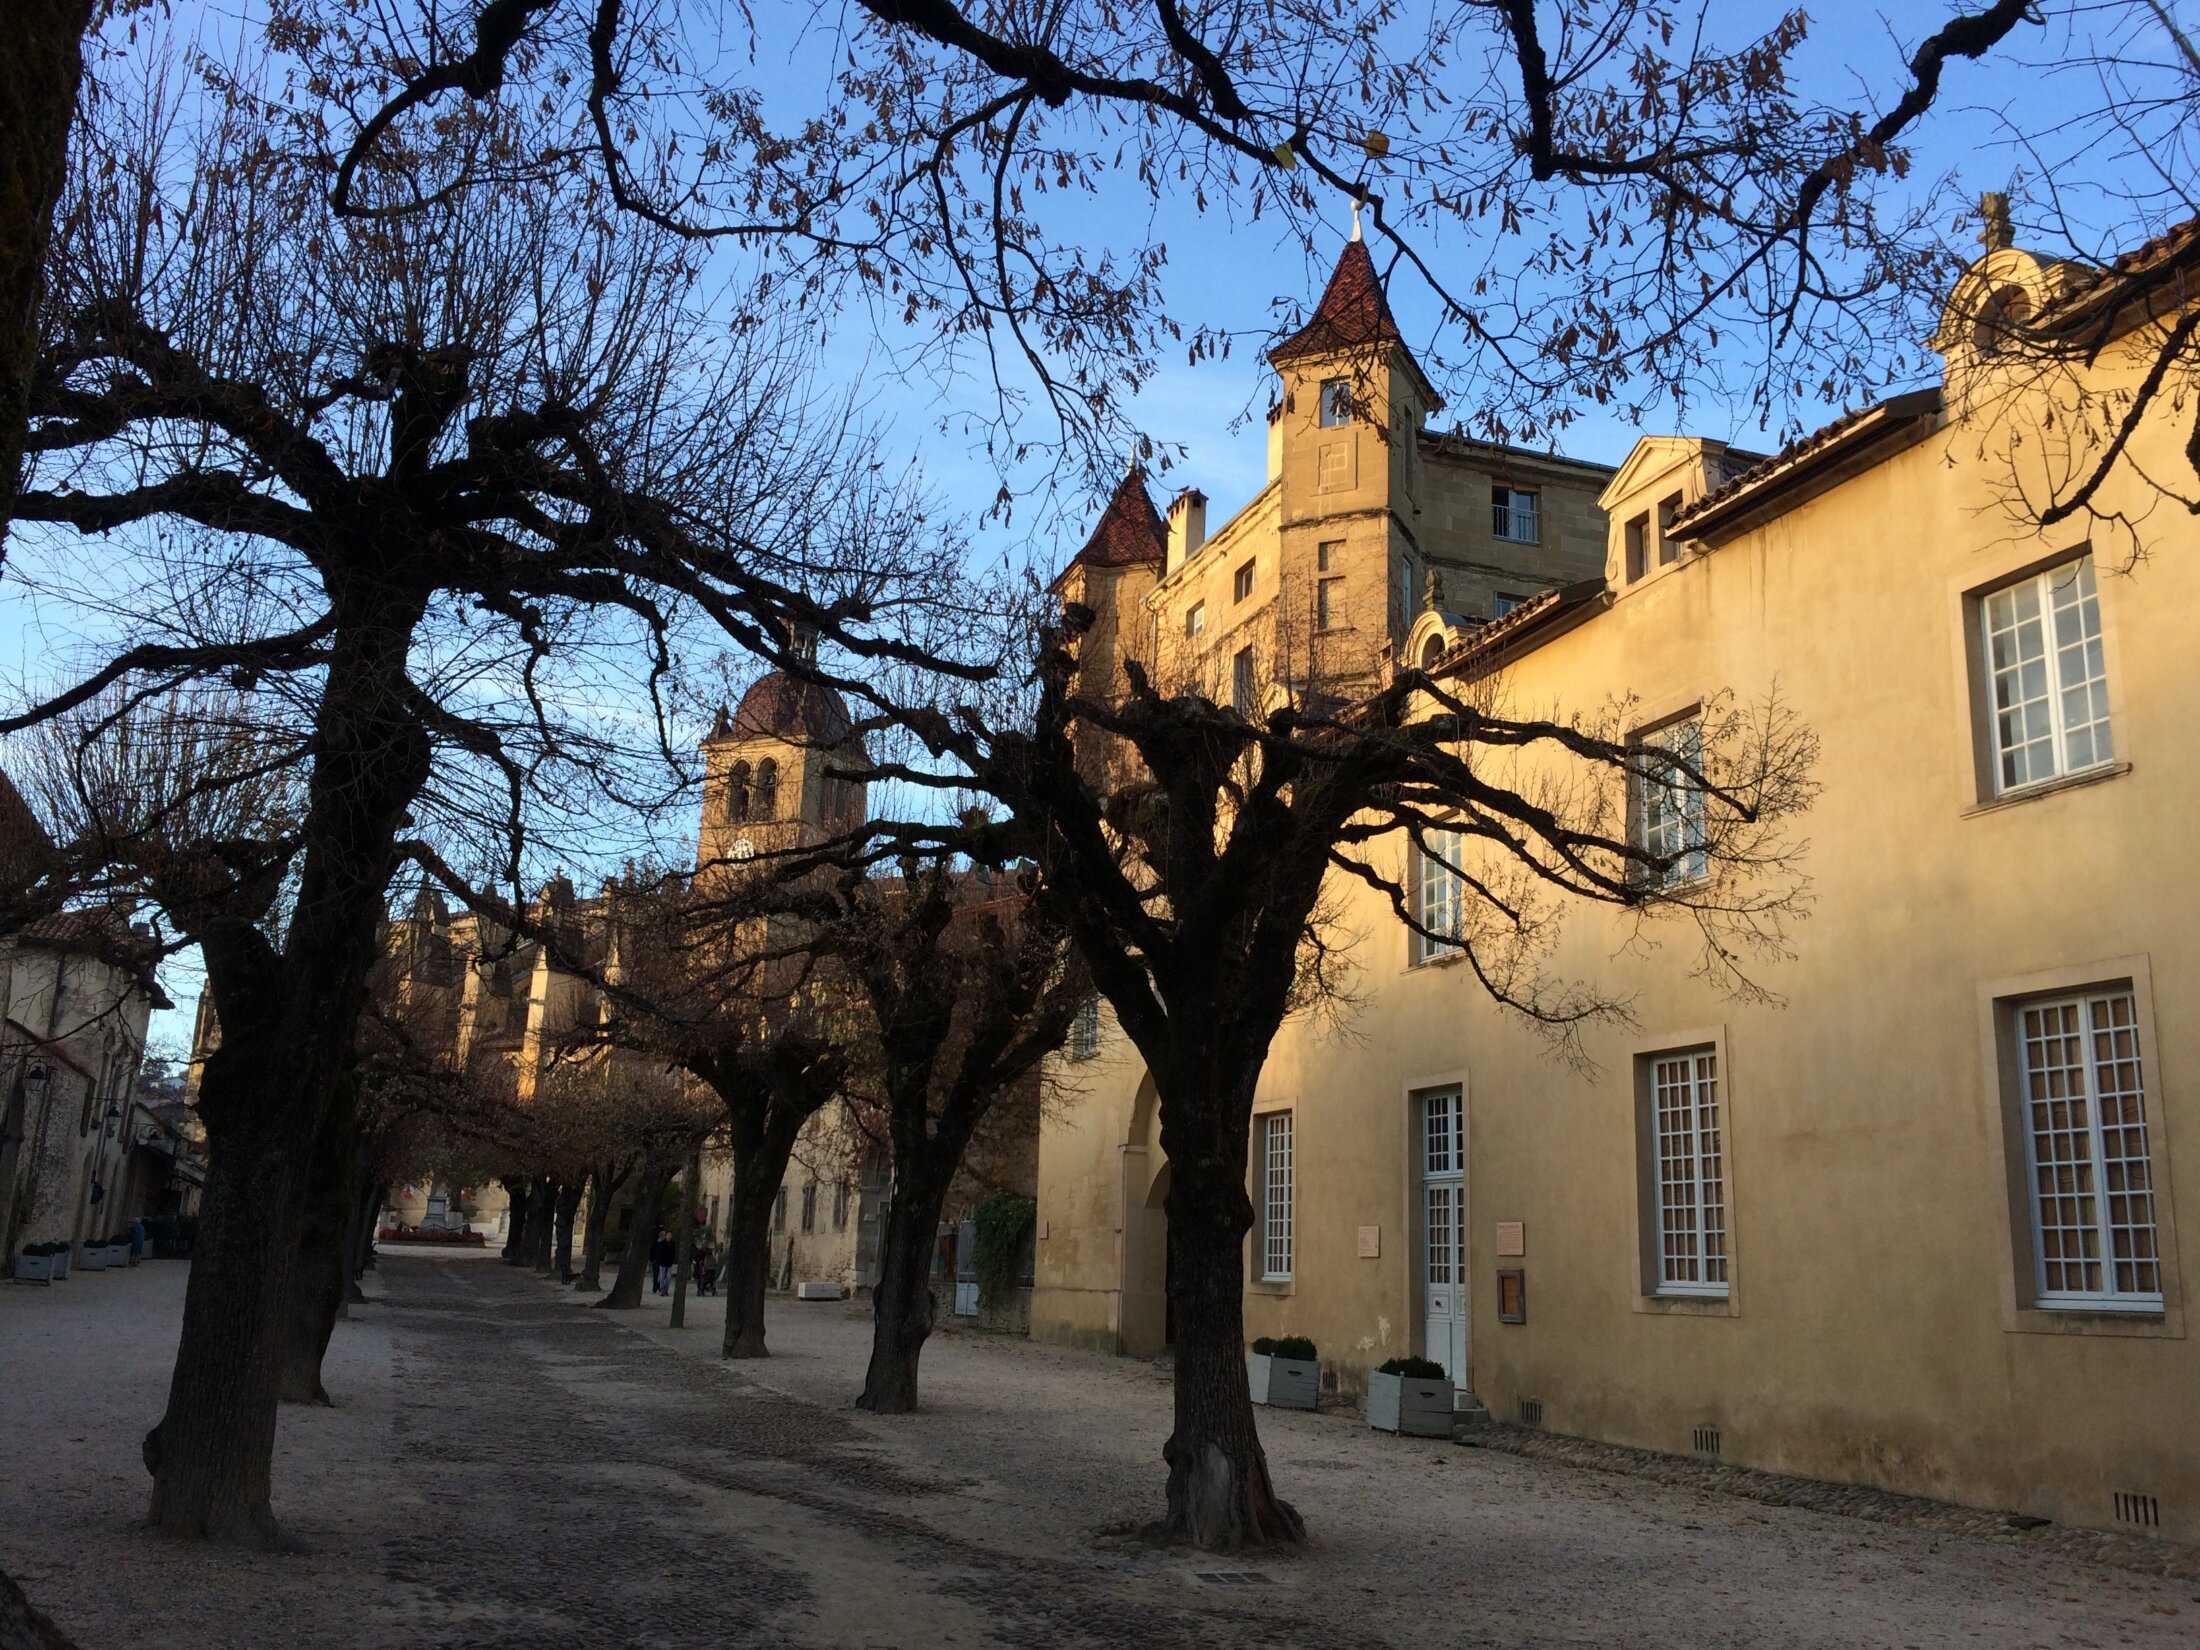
{"x":1874,"y":1331}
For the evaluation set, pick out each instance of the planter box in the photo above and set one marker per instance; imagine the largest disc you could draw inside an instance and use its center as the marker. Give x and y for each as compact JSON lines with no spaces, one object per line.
{"x":89,"y":1259}
{"x":118,"y":1254}
{"x":1408,"y":1406}
{"x":60,"y":1265}
{"x":35,"y":1268}
{"x":1283,"y":1383}
{"x":819,"y":1291}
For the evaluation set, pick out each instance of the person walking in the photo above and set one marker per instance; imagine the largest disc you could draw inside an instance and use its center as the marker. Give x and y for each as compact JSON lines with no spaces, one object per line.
{"x":662,"y":1254}
{"x":706,"y":1269}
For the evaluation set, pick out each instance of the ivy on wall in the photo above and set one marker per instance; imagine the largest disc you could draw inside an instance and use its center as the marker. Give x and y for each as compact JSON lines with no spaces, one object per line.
{"x":1002,"y":1223}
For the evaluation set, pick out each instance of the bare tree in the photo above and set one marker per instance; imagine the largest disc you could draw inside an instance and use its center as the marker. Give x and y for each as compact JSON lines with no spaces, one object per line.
{"x":392,"y":477}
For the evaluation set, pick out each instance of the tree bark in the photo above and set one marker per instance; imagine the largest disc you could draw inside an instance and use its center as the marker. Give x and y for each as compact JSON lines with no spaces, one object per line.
{"x":640,"y":1233}
{"x":901,"y":1302}
{"x":359,"y":1253}
{"x":542,"y":1223}
{"x":317,"y":1276}
{"x":41,"y":64}
{"x":1220,"y":1497}
{"x":568,"y":1205}
{"x":23,"y":1626}
{"x":757,"y":1173}
{"x":288,"y":1022}
{"x":517,"y":1192}
{"x":603,"y":1185}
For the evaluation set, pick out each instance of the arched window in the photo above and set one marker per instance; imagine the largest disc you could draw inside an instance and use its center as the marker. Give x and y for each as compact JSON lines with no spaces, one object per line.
{"x":767,"y":789}
{"x":737,"y":791}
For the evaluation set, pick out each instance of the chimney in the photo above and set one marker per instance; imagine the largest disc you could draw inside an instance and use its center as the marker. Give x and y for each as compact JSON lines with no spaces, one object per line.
{"x":1187,"y":526}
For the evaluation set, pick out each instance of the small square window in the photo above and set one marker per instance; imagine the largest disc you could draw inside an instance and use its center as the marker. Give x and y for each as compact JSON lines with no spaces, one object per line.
{"x":1514,"y":514}
{"x":1336,"y":403}
{"x":1195,"y":622}
{"x":1241,"y":583}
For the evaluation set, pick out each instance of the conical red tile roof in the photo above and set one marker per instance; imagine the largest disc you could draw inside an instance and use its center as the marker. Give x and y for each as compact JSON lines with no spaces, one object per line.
{"x":1353,"y":312}
{"x":1129,"y":530}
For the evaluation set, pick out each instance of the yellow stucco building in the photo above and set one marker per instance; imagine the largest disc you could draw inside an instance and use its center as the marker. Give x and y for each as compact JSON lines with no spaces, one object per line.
{"x":1916,"y":1225}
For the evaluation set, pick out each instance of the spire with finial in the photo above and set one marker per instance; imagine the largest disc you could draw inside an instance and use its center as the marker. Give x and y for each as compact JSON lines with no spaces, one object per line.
{"x":1995,"y":231}
{"x":1357,"y":203}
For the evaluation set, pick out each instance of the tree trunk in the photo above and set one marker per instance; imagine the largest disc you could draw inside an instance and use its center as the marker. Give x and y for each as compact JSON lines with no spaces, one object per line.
{"x":23,"y":1626}
{"x":640,"y":1233}
{"x":757,"y":1173}
{"x":288,"y":1021}
{"x":689,"y":1188}
{"x":542,"y":1209}
{"x":602,"y":1187}
{"x":901,"y":1302}
{"x":359,"y":1254}
{"x":517,"y":1191}
{"x":1220,"y":1497}
{"x":41,"y":62}
{"x":317,"y":1276}
{"x":569,"y":1204}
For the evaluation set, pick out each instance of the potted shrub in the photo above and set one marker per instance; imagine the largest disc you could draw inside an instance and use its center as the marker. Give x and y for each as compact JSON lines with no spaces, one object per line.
{"x":1412,"y":1397}
{"x":36,"y":1263}
{"x":1285,"y":1372}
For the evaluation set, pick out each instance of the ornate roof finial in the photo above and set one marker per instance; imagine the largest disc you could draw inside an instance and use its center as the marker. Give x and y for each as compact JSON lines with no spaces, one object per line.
{"x":1357,"y":203}
{"x":1432,"y":592}
{"x":1993,"y":211}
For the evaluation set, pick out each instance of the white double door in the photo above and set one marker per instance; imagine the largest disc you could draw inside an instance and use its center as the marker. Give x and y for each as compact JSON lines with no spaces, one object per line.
{"x":1442,"y":1157}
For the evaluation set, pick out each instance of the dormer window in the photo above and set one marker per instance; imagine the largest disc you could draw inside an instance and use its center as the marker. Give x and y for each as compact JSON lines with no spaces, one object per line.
{"x":1336,"y":403}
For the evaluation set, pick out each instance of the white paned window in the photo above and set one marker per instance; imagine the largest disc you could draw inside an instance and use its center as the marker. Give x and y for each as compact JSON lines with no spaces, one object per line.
{"x":1514,"y":514}
{"x":1669,"y":805}
{"x":1689,"y":1140}
{"x":1440,"y":1134}
{"x":1439,"y":897}
{"x":1195,"y":621}
{"x":2093,"y":1237}
{"x":2046,"y":679}
{"x":1275,"y":1196}
{"x":1336,"y":410}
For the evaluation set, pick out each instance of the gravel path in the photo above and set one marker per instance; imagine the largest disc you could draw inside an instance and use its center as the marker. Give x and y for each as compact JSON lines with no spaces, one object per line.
{"x":510,"y":1470}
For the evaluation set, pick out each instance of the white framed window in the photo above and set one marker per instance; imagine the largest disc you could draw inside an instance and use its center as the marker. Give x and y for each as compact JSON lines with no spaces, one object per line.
{"x":1439,"y":896}
{"x":1195,"y":622}
{"x":2089,"y":1177}
{"x":2046,"y":679}
{"x":1336,"y":403}
{"x":1670,"y":816}
{"x":1687,"y":1143}
{"x":1275,"y":1196}
{"x":1084,"y":1030}
{"x":1515,"y":514}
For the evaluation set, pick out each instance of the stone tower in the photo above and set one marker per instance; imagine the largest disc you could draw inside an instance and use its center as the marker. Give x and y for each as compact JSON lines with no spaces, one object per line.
{"x":780,"y":771}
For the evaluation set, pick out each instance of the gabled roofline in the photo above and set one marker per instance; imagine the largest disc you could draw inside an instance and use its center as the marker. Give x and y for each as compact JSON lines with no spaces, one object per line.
{"x":1809,"y":466}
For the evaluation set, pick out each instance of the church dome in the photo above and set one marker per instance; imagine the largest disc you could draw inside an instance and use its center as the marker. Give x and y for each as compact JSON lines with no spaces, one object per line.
{"x":780,"y":706}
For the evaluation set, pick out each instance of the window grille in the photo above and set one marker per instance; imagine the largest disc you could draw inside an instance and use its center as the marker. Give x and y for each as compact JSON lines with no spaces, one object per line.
{"x":2047,"y":681}
{"x":1084,"y":1031}
{"x":1439,"y":897}
{"x":2094,"y":1240}
{"x":1275,"y":1197}
{"x":1691,"y":1174}
{"x":1669,"y":805}
{"x":1514,"y":514}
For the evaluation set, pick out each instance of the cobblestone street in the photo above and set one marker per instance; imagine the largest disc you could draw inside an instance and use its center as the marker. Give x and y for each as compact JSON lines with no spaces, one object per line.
{"x":508,"y":1470}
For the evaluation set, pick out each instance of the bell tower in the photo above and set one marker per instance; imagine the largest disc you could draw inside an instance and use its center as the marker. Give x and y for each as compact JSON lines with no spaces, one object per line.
{"x":781,"y":771}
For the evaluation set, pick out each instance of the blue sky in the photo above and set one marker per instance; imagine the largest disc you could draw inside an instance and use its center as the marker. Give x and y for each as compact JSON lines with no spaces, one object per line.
{"x":1237,"y":277}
